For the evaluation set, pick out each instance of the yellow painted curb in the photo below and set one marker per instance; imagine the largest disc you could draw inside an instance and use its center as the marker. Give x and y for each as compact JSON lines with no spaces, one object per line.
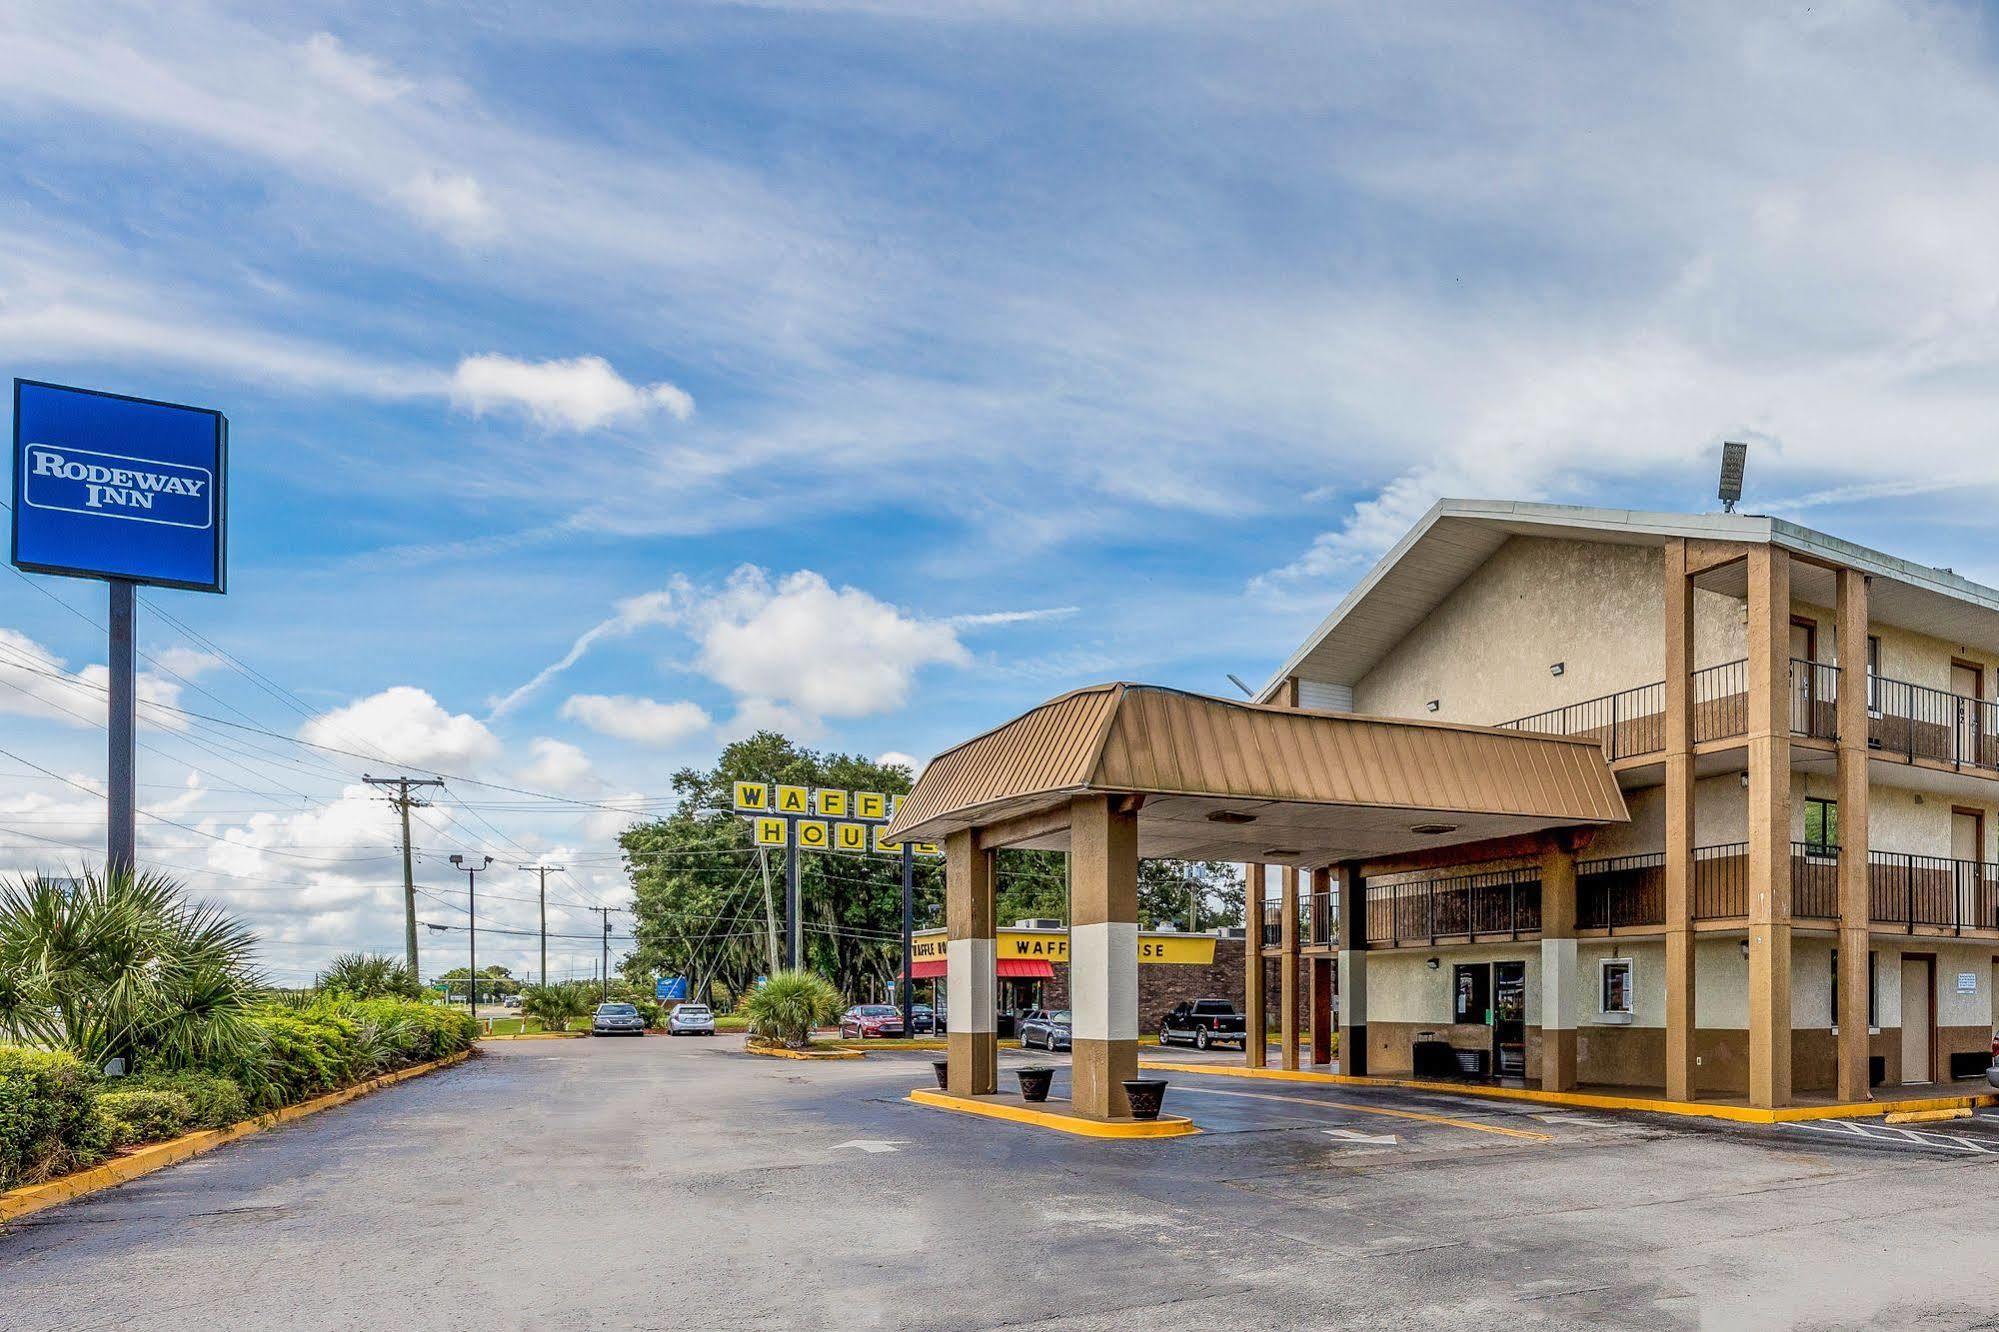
{"x":537,"y":1036}
{"x":1166,"y":1126}
{"x":17,"y":1203}
{"x":1740,"y":1114}
{"x":778,"y":1052}
{"x":1926,"y":1116}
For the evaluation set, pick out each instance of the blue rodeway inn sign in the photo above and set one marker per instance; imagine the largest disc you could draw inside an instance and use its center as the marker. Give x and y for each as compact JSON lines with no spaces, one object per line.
{"x":130,"y":491}
{"x":119,"y":488}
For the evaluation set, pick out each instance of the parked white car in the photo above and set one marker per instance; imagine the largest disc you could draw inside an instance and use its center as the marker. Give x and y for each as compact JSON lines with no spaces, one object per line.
{"x":691,"y":1020}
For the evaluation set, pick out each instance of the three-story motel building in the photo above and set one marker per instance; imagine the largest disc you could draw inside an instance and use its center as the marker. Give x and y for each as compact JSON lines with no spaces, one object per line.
{"x":1691,"y":807}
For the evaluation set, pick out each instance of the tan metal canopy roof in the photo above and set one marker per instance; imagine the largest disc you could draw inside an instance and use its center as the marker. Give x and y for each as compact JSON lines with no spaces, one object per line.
{"x":1225,"y":780}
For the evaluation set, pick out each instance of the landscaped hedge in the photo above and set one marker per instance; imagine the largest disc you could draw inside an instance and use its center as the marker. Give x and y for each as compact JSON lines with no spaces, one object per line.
{"x":140,"y":1115}
{"x":57,"y":1115}
{"x":47,"y":1126}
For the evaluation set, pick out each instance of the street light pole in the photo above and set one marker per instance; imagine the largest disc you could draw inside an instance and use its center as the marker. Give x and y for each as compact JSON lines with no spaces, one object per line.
{"x":472,"y":925}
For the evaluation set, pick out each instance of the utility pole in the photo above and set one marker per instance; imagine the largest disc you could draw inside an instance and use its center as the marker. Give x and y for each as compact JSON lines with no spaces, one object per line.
{"x":544,"y":871}
{"x":605,"y":912}
{"x":402,"y":800}
{"x":472,"y":925}
{"x":908,"y":922}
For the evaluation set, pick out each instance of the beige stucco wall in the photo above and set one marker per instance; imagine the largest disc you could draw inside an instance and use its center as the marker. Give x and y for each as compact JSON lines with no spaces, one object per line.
{"x":1401,"y":987}
{"x":1484,"y":653}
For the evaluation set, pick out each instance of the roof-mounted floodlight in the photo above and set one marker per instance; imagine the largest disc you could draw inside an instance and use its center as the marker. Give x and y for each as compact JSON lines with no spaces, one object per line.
{"x":1733,"y":456}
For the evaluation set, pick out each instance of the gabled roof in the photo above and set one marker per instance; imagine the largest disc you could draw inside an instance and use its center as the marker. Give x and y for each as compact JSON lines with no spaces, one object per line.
{"x":1458,"y":535}
{"x":1290,"y":787}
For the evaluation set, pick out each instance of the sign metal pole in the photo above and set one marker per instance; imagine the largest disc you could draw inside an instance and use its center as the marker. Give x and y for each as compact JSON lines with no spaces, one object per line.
{"x":791,"y":924}
{"x":908,"y":911}
{"x":121,"y":840}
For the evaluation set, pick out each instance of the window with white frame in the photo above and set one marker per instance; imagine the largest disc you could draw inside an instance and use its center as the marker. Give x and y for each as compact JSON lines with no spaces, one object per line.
{"x":1614,"y":987}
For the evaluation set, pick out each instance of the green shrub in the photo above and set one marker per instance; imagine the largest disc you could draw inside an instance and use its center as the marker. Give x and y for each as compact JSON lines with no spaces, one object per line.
{"x":785,"y":1008}
{"x":214,"y":1101}
{"x":554,"y":1005}
{"x":46,"y":1123}
{"x":143,"y":1115}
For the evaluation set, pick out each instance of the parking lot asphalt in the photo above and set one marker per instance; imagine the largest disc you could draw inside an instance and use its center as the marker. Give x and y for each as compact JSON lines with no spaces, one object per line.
{"x":683,"y":1184}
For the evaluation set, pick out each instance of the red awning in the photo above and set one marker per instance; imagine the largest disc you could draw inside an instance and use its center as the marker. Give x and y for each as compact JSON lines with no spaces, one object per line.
{"x":1006,"y":968}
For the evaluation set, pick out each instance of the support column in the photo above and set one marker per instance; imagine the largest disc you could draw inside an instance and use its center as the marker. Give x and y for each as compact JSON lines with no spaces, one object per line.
{"x":1287,"y":970}
{"x":1103,"y":954}
{"x":1854,"y":912}
{"x":970,"y":950}
{"x":1769,"y":827}
{"x":1353,"y":970}
{"x":1254,"y":1055}
{"x":1558,"y":965}
{"x":1322,"y":968}
{"x":1679,"y":978}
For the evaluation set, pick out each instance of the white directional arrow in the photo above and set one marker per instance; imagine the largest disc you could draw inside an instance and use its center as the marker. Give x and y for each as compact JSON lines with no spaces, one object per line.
{"x":1355,"y":1135}
{"x":872,"y":1146}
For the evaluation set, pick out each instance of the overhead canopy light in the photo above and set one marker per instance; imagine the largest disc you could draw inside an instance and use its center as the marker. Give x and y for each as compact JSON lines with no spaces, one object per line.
{"x":1432,"y":829}
{"x":1230,"y":816}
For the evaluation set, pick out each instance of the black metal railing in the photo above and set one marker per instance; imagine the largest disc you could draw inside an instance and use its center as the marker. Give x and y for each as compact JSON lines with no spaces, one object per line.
{"x":1814,"y":880}
{"x":1322,"y":920}
{"x":1273,"y":922}
{"x":1633,"y":721}
{"x":1721,"y":881}
{"x":1469,"y":906}
{"x":1621,"y":892}
{"x":1911,"y":890}
{"x":1919,"y":722}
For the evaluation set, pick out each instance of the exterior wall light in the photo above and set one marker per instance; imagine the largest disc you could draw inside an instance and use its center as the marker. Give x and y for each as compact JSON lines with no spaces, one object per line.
{"x":1432,"y":705}
{"x":1431,"y":964}
{"x":1558,"y":668}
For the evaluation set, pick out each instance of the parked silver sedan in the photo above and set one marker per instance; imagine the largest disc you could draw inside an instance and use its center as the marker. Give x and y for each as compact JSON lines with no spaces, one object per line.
{"x":1050,"y":1031}
{"x":691,"y":1020}
{"x":617,"y":1020}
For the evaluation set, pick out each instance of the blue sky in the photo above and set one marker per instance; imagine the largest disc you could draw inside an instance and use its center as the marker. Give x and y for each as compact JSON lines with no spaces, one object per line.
{"x":879,"y":369}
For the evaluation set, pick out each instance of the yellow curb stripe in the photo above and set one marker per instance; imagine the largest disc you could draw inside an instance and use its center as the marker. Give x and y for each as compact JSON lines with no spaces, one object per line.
{"x":771,"y":1052}
{"x":1741,"y":1114}
{"x":1166,"y":1126}
{"x":537,"y":1036}
{"x":16,"y":1203}
{"x":1926,"y":1116}
{"x":1445,"y":1120}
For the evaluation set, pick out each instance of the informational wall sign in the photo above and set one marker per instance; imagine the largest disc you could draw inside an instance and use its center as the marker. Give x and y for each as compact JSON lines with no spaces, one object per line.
{"x":107,"y":486}
{"x":1967,"y":982}
{"x":847,"y":821}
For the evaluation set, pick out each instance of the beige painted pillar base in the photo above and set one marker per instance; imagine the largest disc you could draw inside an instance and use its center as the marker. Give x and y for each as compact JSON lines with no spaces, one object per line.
{"x":1558,"y":966}
{"x":1098,"y":1071}
{"x":974,"y":1060}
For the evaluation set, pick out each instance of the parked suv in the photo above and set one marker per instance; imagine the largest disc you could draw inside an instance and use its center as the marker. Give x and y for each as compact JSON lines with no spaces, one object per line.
{"x":1203,"y":1023}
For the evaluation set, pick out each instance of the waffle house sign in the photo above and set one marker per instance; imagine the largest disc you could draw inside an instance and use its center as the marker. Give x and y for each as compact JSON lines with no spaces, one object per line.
{"x":823,"y":819}
{"x":1052,"y":946}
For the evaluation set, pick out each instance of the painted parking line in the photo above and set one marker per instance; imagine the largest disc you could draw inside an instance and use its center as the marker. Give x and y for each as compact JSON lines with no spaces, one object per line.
{"x":1318,"y":1104}
{"x":1892,"y":1136}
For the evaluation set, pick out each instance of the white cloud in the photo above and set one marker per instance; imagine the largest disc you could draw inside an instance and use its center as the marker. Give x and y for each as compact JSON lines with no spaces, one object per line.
{"x":582,"y":393}
{"x":359,"y":76}
{"x":451,"y":202}
{"x":406,"y":726}
{"x":35,"y":683}
{"x":556,"y":765}
{"x":896,"y":757}
{"x":649,"y":608}
{"x":643,"y":720}
{"x":824,"y":651}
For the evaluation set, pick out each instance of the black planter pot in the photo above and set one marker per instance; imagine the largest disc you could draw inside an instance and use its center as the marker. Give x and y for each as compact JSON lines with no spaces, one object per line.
{"x":943,"y":1068}
{"x":1145,"y":1095}
{"x":1034,"y":1083}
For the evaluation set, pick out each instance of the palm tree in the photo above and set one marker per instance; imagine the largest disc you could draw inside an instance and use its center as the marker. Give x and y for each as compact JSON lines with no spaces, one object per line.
{"x":116,"y":964}
{"x":369,"y":976}
{"x":554,"y":1005}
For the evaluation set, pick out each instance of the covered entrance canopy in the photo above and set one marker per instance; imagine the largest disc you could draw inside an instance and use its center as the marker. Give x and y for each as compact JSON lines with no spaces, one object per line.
{"x":1118,"y":772}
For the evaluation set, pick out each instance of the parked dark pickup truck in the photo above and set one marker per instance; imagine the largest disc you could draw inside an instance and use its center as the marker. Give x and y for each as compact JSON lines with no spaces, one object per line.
{"x":1203,"y":1023}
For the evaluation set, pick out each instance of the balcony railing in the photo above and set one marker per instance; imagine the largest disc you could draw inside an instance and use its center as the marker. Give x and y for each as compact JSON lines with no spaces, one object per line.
{"x":1322,"y":920}
{"x":1621,"y":892}
{"x":1491,"y":904}
{"x":1633,"y":721}
{"x":1911,"y":890}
